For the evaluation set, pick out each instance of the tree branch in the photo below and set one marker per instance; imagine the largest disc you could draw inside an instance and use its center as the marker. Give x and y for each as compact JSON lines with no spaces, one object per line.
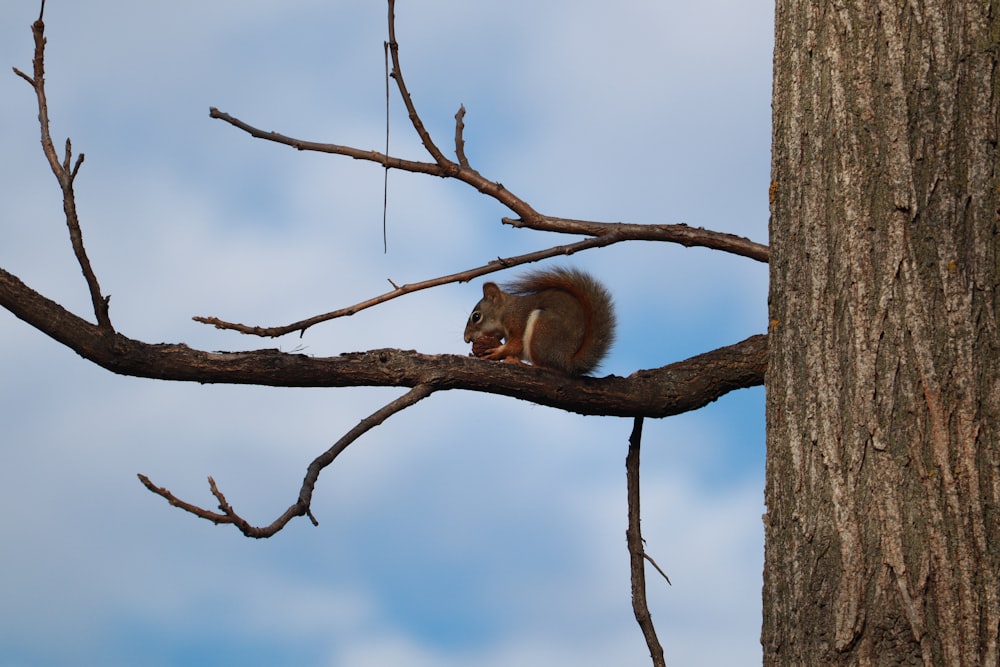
{"x":398,"y":291}
{"x":463,"y":171}
{"x":672,"y":389}
{"x":301,"y":507}
{"x":64,"y":174}
{"x":460,"y":137}
{"x":603,"y":234}
{"x":681,"y":234}
{"x":636,"y":551}
{"x":625,"y":231}
{"x":315,"y":146}
{"x":397,"y":76}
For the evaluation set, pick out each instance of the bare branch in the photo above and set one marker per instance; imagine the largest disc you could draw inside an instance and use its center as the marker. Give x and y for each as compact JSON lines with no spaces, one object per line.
{"x":64,"y":174}
{"x":681,"y":234}
{"x":356,"y":153}
{"x":385,"y":175}
{"x":529,"y":218}
{"x":177,"y":502}
{"x":636,"y":551}
{"x":603,"y":234}
{"x":398,"y":291}
{"x":418,"y":393}
{"x":672,"y":389}
{"x":24,"y":76}
{"x":301,"y":507}
{"x":657,"y":567}
{"x":450,"y":170}
{"x":460,"y":138}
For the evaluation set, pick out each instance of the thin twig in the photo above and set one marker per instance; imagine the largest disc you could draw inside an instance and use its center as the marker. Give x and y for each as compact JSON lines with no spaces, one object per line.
{"x":529,"y":218}
{"x":602,"y":234}
{"x":414,"y":166}
{"x":460,"y":137}
{"x":398,"y":291}
{"x":637,"y":556}
{"x":658,"y":568}
{"x":64,"y":173}
{"x":301,"y":507}
{"x":397,"y":75}
{"x":165,"y":493}
{"x":385,"y":179}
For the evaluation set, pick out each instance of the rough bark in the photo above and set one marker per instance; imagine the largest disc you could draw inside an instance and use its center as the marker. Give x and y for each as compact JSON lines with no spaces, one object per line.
{"x":883,"y":389}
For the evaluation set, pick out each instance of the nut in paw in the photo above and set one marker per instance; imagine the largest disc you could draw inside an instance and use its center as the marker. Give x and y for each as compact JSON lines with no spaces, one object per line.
{"x":485,"y":343}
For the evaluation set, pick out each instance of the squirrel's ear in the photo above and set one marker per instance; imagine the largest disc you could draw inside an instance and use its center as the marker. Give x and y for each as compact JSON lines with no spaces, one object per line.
{"x":490,"y":290}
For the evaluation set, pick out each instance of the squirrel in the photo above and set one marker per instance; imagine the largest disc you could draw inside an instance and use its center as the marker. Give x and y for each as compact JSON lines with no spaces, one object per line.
{"x":562,"y":319}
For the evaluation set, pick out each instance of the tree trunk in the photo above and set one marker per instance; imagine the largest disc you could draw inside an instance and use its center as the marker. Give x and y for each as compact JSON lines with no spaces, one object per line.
{"x":883,"y":387}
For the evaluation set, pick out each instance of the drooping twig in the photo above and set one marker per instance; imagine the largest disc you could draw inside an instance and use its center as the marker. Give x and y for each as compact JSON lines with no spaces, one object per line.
{"x":301,"y":507}
{"x":636,"y":550}
{"x":64,"y":173}
{"x":603,"y":234}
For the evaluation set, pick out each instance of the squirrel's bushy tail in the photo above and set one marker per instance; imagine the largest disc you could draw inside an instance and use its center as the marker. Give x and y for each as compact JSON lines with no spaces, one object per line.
{"x":597,"y":303}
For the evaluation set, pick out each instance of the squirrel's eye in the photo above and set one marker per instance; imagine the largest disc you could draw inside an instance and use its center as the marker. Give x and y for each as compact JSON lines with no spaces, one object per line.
{"x":476,"y":316}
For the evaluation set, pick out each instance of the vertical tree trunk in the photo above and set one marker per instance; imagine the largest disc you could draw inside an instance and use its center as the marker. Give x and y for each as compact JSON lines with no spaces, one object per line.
{"x":883,"y":389}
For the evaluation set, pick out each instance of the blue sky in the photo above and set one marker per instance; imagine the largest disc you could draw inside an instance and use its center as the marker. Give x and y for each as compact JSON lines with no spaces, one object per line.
{"x":470,"y":529}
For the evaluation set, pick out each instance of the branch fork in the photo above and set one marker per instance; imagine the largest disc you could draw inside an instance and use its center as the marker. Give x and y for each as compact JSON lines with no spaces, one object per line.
{"x":64,"y":174}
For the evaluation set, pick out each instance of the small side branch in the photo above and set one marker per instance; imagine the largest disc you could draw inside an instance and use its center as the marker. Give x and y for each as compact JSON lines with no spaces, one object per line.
{"x":636,"y":551}
{"x":301,"y":507}
{"x":65,"y":172}
{"x":603,"y":234}
{"x":681,"y":234}
{"x":383,"y":159}
{"x":385,"y":175}
{"x":399,"y":290}
{"x":397,"y":75}
{"x":460,"y":137}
